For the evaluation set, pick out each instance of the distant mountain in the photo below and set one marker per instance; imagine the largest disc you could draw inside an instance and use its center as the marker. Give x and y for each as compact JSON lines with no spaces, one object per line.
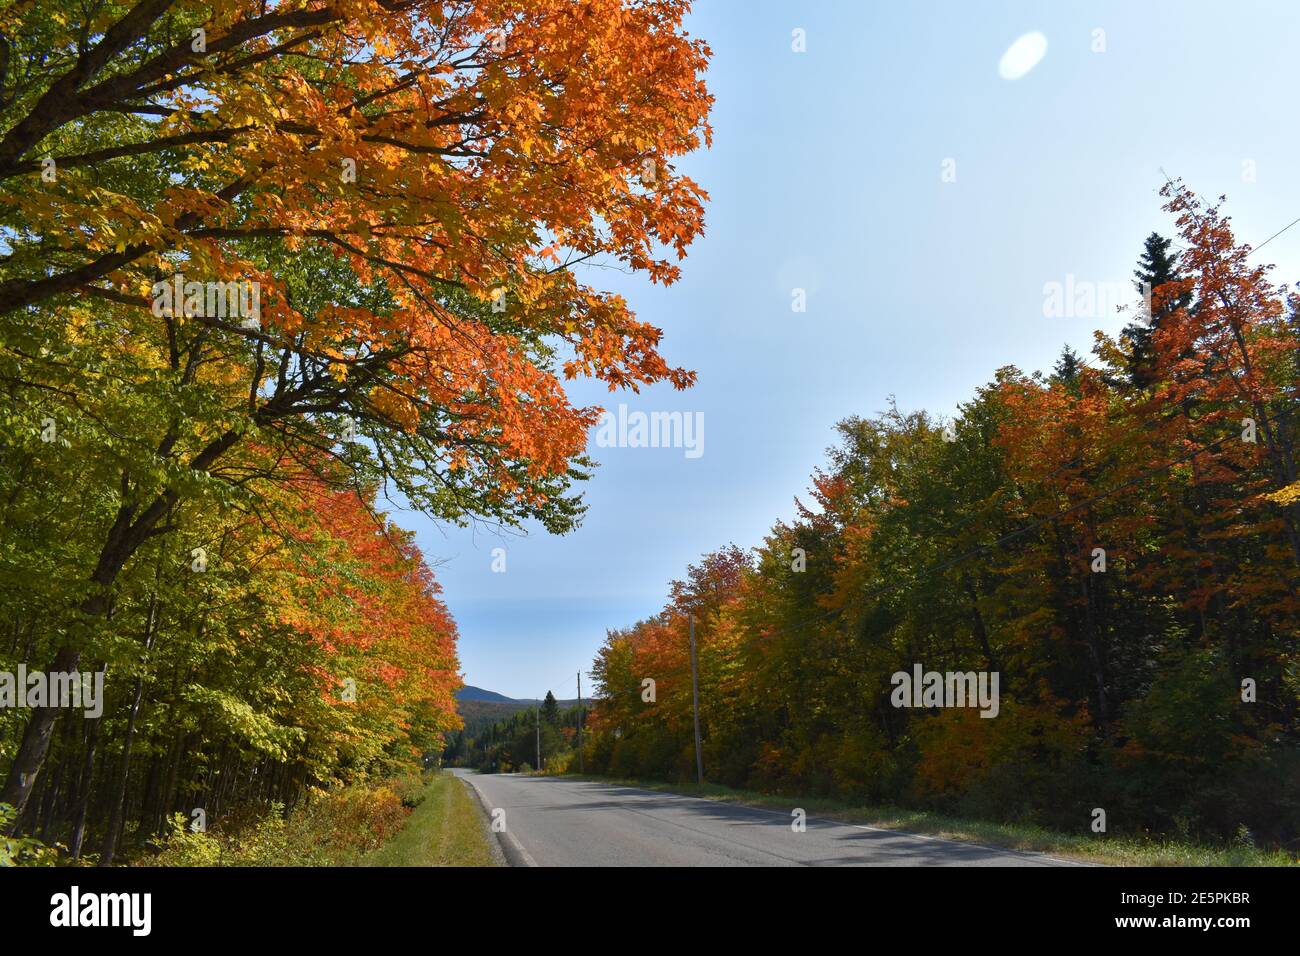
{"x":469,"y":692}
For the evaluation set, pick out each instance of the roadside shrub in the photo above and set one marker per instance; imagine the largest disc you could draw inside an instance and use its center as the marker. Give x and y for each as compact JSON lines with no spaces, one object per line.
{"x":1024,"y":769}
{"x":1194,"y":764}
{"x":560,"y":763}
{"x":866,"y":769}
{"x":22,"y":850}
{"x":411,"y":789}
{"x":335,"y":828}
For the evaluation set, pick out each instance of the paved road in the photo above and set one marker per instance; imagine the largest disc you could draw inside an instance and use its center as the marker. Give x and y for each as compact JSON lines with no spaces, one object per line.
{"x":557,"y":822}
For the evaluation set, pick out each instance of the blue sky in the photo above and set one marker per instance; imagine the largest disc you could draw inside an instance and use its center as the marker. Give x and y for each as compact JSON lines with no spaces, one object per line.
{"x":826,"y":175}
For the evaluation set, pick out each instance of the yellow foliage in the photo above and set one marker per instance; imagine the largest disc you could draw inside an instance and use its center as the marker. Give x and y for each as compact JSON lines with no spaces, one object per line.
{"x":1286,"y":496}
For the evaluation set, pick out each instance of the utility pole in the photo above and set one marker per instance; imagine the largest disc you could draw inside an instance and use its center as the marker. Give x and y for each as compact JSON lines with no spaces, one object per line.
{"x":580,"y":767}
{"x":695,"y":706}
{"x":539,"y":737}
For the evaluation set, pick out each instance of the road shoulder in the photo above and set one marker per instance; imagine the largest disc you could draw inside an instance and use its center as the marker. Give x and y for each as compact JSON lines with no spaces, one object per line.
{"x":508,"y":849}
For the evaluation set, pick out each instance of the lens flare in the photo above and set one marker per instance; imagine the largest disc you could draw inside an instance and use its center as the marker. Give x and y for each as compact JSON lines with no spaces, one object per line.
{"x":1022,"y":56}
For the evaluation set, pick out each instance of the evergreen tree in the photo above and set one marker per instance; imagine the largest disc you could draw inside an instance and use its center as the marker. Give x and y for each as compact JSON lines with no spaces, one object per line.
{"x":1156,"y":266}
{"x":551,"y":710}
{"x":1066,"y":370}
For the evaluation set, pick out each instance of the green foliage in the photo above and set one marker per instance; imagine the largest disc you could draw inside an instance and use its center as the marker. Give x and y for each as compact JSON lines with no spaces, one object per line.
{"x":22,"y":850}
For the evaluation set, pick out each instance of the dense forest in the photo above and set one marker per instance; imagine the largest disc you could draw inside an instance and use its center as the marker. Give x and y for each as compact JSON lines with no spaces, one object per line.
{"x":253,"y":652}
{"x":1118,"y":540}
{"x":268,"y":272}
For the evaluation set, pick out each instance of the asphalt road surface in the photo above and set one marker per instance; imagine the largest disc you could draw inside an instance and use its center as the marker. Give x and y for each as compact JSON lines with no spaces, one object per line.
{"x":552,"y":821}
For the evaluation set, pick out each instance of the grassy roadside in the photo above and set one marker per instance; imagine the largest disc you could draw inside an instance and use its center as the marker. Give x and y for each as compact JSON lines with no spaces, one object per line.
{"x":446,"y":828}
{"x":1113,"y":851}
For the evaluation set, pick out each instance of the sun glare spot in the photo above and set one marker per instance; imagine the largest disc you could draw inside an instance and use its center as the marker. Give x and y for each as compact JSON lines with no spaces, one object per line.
{"x":1022,"y":56}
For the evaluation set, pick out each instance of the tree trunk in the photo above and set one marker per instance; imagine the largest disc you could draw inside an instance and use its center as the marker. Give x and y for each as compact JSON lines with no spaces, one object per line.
{"x":117,"y":798}
{"x":36,"y":741}
{"x":129,"y":531}
{"x":85,"y":790}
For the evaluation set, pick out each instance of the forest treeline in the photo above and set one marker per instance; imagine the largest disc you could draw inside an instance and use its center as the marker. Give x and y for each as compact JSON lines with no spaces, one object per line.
{"x":265,"y":268}
{"x":1118,"y":540}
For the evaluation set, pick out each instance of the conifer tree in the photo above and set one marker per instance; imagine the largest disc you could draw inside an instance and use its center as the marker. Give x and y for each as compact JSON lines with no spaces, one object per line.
{"x":1157,"y":266}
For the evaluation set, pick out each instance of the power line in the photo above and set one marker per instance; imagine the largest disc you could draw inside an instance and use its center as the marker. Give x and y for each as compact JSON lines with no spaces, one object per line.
{"x":1254,"y":249}
{"x":1275,"y":235}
